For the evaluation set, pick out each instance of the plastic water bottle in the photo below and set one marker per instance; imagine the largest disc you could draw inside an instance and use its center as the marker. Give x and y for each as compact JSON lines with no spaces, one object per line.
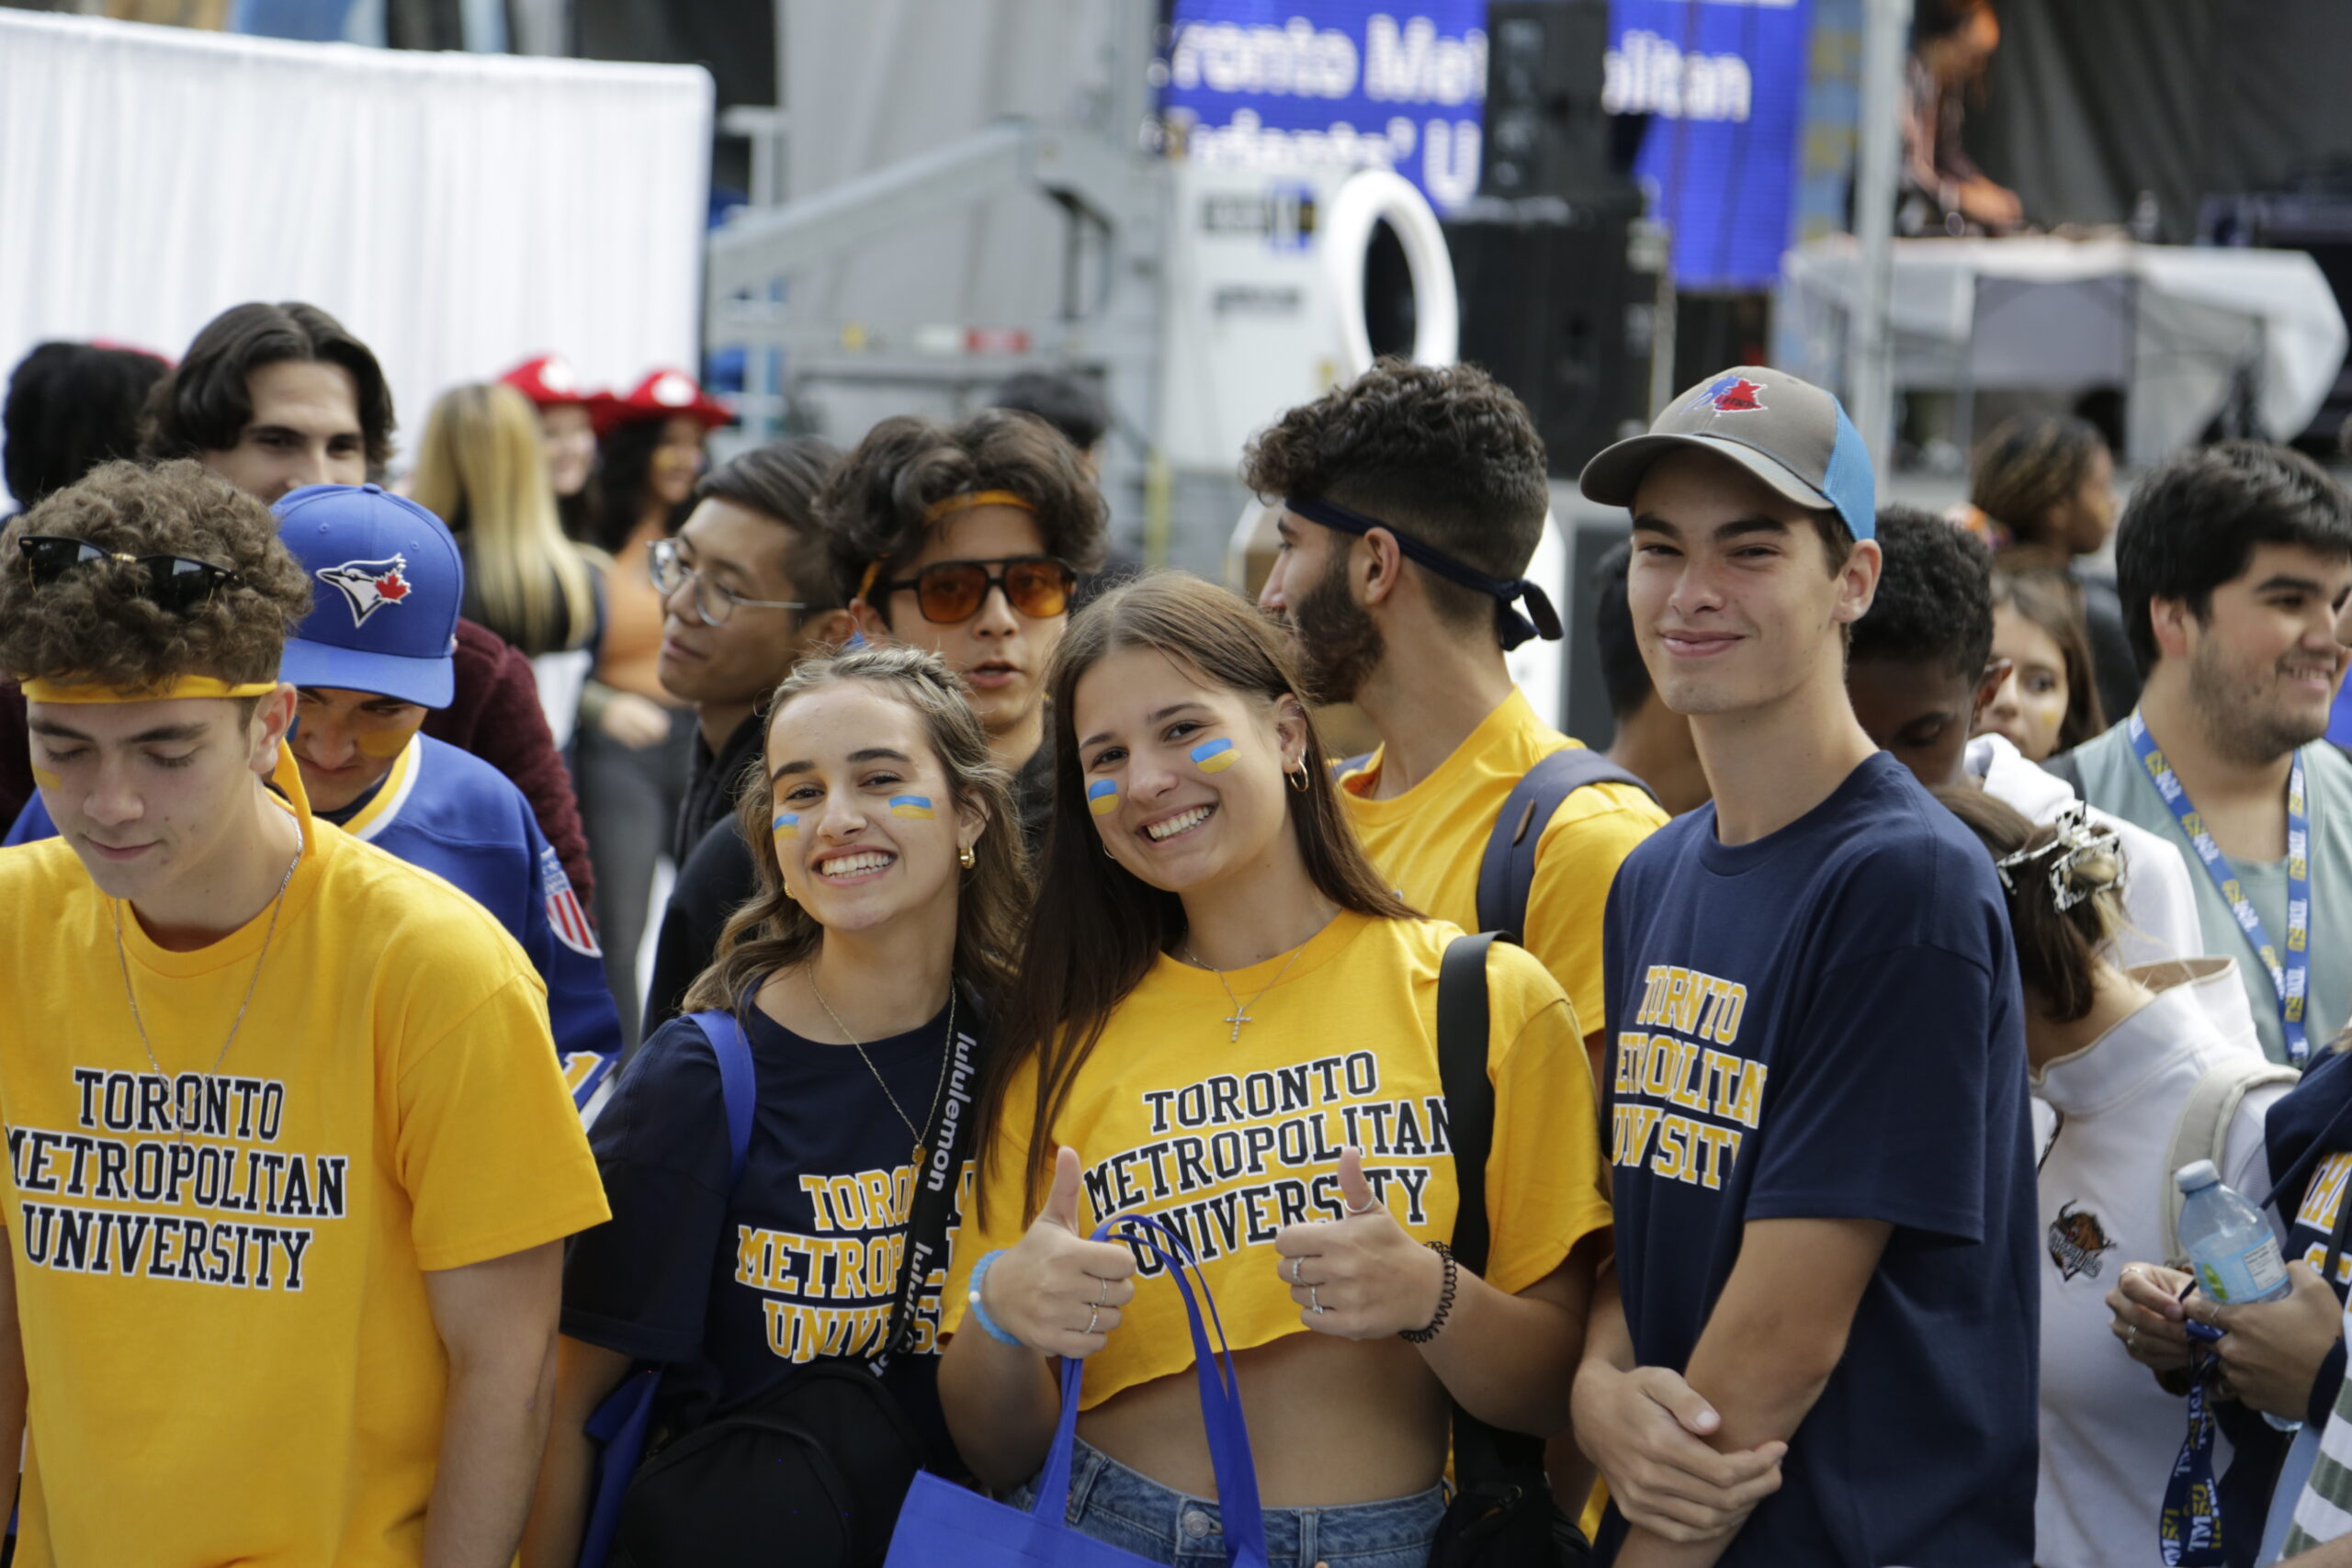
{"x":2230,"y":1249}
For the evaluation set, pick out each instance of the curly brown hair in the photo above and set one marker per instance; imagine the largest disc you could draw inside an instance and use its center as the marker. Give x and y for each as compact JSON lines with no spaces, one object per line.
{"x":96,"y":626}
{"x":1446,"y":452}
{"x":874,"y":506}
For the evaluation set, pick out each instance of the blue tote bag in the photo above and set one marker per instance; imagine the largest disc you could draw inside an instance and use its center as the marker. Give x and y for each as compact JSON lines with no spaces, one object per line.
{"x":942,"y":1522}
{"x":622,"y":1423}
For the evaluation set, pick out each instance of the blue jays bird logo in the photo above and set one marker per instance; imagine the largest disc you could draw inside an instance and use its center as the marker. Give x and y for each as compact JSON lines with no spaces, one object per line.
{"x":1734,"y":394}
{"x":369,"y":585}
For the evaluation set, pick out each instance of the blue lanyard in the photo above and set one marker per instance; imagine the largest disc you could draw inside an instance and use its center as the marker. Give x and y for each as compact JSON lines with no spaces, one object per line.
{"x":2290,"y":979}
{"x":2189,"y":1531}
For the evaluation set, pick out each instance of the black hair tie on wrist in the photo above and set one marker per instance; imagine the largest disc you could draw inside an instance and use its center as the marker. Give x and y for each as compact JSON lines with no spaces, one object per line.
{"x":1445,"y":1299}
{"x":1511,"y":626}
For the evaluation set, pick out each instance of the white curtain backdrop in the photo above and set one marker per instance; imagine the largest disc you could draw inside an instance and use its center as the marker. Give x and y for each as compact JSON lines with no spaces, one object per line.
{"x":458,"y":212}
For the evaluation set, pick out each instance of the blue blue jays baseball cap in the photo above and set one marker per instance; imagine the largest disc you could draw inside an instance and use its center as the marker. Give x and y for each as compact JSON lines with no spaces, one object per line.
{"x":386,"y":582}
{"x":1784,"y":430}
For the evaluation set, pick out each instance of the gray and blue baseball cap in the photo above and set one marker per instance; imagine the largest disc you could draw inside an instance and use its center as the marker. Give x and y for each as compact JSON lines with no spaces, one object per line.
{"x":1787,"y":432}
{"x":386,"y":583}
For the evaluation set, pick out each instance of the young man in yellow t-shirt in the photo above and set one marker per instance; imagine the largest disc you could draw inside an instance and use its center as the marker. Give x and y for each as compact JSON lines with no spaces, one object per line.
{"x":290,"y":1159}
{"x":1414,"y":498}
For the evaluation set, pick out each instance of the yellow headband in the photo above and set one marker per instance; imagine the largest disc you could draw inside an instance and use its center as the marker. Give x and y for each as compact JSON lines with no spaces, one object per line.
{"x":38,"y":690}
{"x":939,"y":509}
{"x":944,"y":507}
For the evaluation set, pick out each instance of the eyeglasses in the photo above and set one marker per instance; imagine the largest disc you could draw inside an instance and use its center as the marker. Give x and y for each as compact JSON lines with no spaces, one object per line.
{"x":713,"y":601}
{"x":952,"y":591}
{"x":175,"y":583}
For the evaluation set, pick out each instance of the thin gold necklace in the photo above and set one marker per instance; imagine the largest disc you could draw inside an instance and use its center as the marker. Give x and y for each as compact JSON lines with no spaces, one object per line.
{"x":946,"y":1055}
{"x":276,"y":907}
{"x":1240,"y":1008}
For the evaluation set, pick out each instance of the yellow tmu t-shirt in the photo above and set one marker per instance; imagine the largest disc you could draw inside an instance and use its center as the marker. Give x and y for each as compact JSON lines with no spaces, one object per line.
{"x":229,"y":1349}
{"x":1427,"y":844}
{"x":1231,"y":1140}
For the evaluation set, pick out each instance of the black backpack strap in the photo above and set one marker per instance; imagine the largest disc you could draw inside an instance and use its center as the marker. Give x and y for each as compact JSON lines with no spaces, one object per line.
{"x":944,"y":1143}
{"x":1507,"y":870}
{"x":1479,"y":1450}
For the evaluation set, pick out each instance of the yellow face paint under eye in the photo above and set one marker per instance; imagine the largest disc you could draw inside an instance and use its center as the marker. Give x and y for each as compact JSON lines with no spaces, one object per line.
{"x":917,"y":805}
{"x":786,"y":826}
{"x":1103,"y":796}
{"x":1215,"y":756}
{"x":46,"y":779}
{"x":382,"y":743}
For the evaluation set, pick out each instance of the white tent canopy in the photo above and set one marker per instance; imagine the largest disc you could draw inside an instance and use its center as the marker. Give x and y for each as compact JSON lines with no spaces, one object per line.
{"x":458,"y":212}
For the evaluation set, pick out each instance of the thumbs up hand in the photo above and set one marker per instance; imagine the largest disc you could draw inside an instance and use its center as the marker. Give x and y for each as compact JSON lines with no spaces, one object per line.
{"x":1057,"y":1291}
{"x":1361,"y":1276}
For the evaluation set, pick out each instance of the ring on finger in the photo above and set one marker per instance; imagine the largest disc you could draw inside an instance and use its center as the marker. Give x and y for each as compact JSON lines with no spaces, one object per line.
{"x":1093,"y":1316}
{"x":2131,"y":1335}
{"x":1296,"y":1265}
{"x":1103,"y":1296}
{"x":1312,"y":1304}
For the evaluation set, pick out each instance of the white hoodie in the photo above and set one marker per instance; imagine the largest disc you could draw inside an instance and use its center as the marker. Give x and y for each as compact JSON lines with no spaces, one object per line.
{"x":2108,"y":1433}
{"x":2159,"y":900}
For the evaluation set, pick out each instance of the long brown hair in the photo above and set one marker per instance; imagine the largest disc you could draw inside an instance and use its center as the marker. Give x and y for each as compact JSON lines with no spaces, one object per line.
{"x":2051,"y":601}
{"x":2028,"y":468}
{"x":772,"y":932}
{"x":1097,"y":928}
{"x":2059,"y":950}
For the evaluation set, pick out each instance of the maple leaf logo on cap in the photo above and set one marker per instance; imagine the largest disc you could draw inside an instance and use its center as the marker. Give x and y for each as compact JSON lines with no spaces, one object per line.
{"x":1734,"y":394}
{"x":368,"y":586}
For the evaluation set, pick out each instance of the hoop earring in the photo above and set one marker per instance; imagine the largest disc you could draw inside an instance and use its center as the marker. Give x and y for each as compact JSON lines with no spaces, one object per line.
{"x":968,"y":858}
{"x":1299,"y":781}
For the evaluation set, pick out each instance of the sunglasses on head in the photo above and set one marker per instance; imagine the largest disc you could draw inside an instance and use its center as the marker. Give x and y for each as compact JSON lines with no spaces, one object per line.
{"x":952,"y":591}
{"x":176,"y":584}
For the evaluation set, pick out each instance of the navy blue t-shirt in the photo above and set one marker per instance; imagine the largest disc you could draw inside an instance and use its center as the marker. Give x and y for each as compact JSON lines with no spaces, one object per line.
{"x":1827,"y":1024}
{"x":735,"y":1292}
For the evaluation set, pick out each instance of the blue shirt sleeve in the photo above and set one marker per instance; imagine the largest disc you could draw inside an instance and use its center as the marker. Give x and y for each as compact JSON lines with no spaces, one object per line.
{"x":640,"y":1282}
{"x":1883,"y":1114}
{"x":32,"y":825}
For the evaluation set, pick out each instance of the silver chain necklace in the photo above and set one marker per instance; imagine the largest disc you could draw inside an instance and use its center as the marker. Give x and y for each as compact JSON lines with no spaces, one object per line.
{"x":946,"y":1055}
{"x":1240,"y":1008}
{"x":122,"y":960}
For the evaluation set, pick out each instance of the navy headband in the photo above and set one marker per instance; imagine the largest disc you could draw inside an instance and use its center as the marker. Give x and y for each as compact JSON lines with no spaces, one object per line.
{"x":1511,"y":626}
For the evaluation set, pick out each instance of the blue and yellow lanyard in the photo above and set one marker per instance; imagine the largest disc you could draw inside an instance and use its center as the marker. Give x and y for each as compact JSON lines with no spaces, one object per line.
{"x":2288,"y":977}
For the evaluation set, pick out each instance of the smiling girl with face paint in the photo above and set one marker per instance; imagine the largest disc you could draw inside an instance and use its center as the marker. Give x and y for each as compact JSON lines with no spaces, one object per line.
{"x":889,"y":885}
{"x":1222,"y":1018}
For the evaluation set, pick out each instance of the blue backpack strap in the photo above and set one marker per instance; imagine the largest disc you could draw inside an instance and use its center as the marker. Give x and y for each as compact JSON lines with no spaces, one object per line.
{"x":1347,"y":765}
{"x":736,"y":1084}
{"x":1507,"y":870}
{"x":625,"y":1420}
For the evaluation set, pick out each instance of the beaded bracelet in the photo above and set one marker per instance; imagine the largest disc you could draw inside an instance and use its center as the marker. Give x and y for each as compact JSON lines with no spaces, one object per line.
{"x":1445,"y":1299}
{"x":989,"y":1325}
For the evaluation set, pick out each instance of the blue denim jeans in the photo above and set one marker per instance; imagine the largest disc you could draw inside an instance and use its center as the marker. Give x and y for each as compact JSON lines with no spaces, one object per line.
{"x":1131,"y":1511}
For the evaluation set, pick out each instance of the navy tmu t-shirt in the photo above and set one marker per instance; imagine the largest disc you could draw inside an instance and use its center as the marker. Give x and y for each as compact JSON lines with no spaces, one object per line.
{"x":1826,"y":1024}
{"x":734,"y":1293}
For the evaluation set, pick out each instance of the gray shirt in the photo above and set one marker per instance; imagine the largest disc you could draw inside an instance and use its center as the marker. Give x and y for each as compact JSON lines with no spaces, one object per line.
{"x":2114,"y":781}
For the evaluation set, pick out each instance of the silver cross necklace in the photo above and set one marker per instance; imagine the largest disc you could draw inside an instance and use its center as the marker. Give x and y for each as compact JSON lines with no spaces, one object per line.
{"x":1241,"y":1009}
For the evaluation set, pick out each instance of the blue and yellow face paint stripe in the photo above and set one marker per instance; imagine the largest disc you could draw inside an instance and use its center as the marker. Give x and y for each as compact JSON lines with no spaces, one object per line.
{"x":1103,"y":796}
{"x":786,"y":826}
{"x":1215,"y":756}
{"x":918,"y":805}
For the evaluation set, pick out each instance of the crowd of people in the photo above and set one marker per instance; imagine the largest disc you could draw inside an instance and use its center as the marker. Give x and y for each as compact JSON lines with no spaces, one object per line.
{"x":1794,"y":1185}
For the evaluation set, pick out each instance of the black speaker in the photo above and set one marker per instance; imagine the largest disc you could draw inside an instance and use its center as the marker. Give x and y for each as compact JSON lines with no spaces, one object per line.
{"x":1546,"y":133}
{"x":1561,"y":308}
